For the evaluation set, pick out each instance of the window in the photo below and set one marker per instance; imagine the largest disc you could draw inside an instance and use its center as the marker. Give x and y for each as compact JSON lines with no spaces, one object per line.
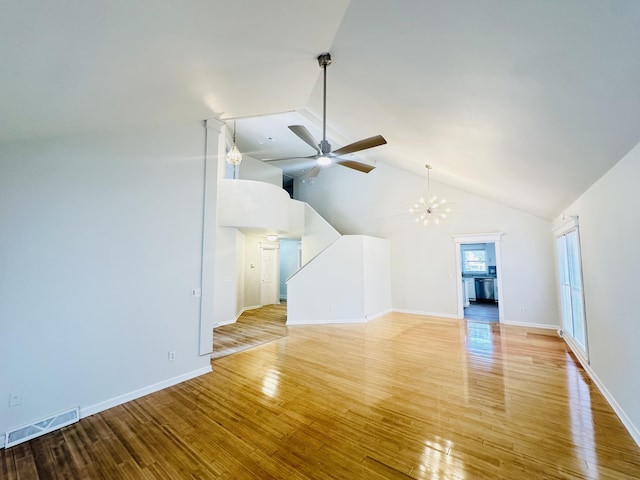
{"x":474,"y":261}
{"x":571,"y":295}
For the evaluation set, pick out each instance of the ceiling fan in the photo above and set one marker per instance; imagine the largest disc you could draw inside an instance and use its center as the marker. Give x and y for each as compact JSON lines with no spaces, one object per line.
{"x":324,"y":155}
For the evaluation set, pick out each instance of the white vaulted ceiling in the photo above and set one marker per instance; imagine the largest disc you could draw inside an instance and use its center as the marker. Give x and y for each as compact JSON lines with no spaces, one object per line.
{"x":521,"y":101}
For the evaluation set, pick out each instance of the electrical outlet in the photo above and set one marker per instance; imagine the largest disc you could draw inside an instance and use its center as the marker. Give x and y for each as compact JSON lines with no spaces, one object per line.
{"x":196,"y":292}
{"x":521,"y":309}
{"x":172,"y":355}
{"x":15,"y":399}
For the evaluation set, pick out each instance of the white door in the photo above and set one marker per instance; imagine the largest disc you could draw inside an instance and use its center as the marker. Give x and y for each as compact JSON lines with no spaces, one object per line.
{"x":269,"y":272}
{"x":571,"y":294}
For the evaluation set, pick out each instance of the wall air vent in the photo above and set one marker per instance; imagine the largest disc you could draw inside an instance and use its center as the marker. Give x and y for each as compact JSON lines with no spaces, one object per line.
{"x":27,"y":432}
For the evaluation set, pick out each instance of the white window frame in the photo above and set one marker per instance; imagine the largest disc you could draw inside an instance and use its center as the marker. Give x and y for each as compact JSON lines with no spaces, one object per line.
{"x":464,"y":260}
{"x":562,"y":230}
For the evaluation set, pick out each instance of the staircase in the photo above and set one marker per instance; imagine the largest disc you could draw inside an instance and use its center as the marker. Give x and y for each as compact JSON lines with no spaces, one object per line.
{"x":343,"y":278}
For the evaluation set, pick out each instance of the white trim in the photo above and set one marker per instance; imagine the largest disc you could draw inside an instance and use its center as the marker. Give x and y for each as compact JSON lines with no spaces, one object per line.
{"x":235,"y":319}
{"x":546,"y":326}
{"x":624,"y":418}
{"x":565,"y":226}
{"x":426,"y":314}
{"x":330,"y":321}
{"x":208,"y":238}
{"x":226,"y":322}
{"x":337,"y":321}
{"x":478,"y":237}
{"x":496,"y":239}
{"x":127,"y":397}
{"x":575,"y":347}
{"x":250,"y":307}
{"x":378,"y":315}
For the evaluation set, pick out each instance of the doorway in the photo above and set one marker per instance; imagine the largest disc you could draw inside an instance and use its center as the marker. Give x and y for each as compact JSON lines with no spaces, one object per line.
{"x":479,"y":277}
{"x":290,"y":262}
{"x":269,"y":273}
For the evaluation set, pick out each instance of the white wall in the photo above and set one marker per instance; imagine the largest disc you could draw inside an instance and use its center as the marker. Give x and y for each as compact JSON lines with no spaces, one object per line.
{"x":243,"y":275}
{"x":253,"y":205}
{"x":253,"y":270}
{"x":100,"y":246}
{"x":252,"y":169}
{"x":318,"y":234}
{"x":227,"y":280}
{"x":376,"y":276}
{"x":609,"y":230}
{"x":332,"y":288}
{"x":423,"y":267}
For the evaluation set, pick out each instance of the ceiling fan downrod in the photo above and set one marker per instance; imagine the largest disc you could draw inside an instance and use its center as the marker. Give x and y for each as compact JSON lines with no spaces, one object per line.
{"x":324,"y":60}
{"x":324,"y":155}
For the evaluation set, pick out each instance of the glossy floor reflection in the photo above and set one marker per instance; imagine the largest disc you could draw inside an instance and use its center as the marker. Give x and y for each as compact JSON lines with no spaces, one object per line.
{"x":484,"y":312}
{"x":403,"y":396}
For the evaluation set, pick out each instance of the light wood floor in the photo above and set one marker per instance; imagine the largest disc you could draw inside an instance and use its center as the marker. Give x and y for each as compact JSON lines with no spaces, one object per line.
{"x":253,"y":328}
{"x":401,"y":397}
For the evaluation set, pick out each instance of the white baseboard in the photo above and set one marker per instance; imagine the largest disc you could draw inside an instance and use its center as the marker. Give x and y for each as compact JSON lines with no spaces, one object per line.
{"x":335,"y":321}
{"x":235,"y":319}
{"x":378,"y":315}
{"x":226,"y":322}
{"x":328,"y":321}
{"x":127,"y":397}
{"x":622,"y":415}
{"x":426,"y":314}
{"x":533,"y":325}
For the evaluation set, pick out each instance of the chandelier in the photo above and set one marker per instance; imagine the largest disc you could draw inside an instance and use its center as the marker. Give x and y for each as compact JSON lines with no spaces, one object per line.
{"x":430,"y":209}
{"x":234,"y":157}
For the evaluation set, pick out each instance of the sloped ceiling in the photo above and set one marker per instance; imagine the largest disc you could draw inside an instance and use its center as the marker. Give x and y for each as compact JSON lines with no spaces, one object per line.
{"x":524,"y":102}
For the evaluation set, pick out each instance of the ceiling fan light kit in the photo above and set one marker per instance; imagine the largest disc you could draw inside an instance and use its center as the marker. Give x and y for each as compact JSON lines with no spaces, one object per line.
{"x":429,"y":210}
{"x":324,"y":155}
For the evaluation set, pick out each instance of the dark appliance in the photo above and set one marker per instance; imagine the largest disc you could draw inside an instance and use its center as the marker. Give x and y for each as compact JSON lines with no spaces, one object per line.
{"x":485,"y":291}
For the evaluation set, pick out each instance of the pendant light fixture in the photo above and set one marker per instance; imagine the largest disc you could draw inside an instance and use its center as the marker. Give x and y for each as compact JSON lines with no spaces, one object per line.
{"x":234,"y":157}
{"x":430,"y":209}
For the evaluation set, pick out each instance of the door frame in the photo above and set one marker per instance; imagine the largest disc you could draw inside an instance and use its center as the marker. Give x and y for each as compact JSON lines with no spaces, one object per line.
{"x":569,"y":225}
{"x":276,"y":271}
{"x":496,"y":239}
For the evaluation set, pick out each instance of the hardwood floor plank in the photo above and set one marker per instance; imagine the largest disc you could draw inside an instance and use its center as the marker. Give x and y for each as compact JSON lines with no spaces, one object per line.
{"x":403,"y":396}
{"x":254,"y":327}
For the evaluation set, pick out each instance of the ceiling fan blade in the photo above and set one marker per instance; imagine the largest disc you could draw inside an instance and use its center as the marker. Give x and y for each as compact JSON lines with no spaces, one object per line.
{"x":304,"y":135}
{"x":360,"y":145}
{"x":314,"y":171}
{"x":287,"y":158}
{"x":361,"y":167}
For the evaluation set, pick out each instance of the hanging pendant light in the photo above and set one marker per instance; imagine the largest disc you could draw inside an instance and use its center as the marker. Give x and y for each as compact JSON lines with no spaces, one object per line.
{"x":430,"y":209}
{"x":234,"y":157}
